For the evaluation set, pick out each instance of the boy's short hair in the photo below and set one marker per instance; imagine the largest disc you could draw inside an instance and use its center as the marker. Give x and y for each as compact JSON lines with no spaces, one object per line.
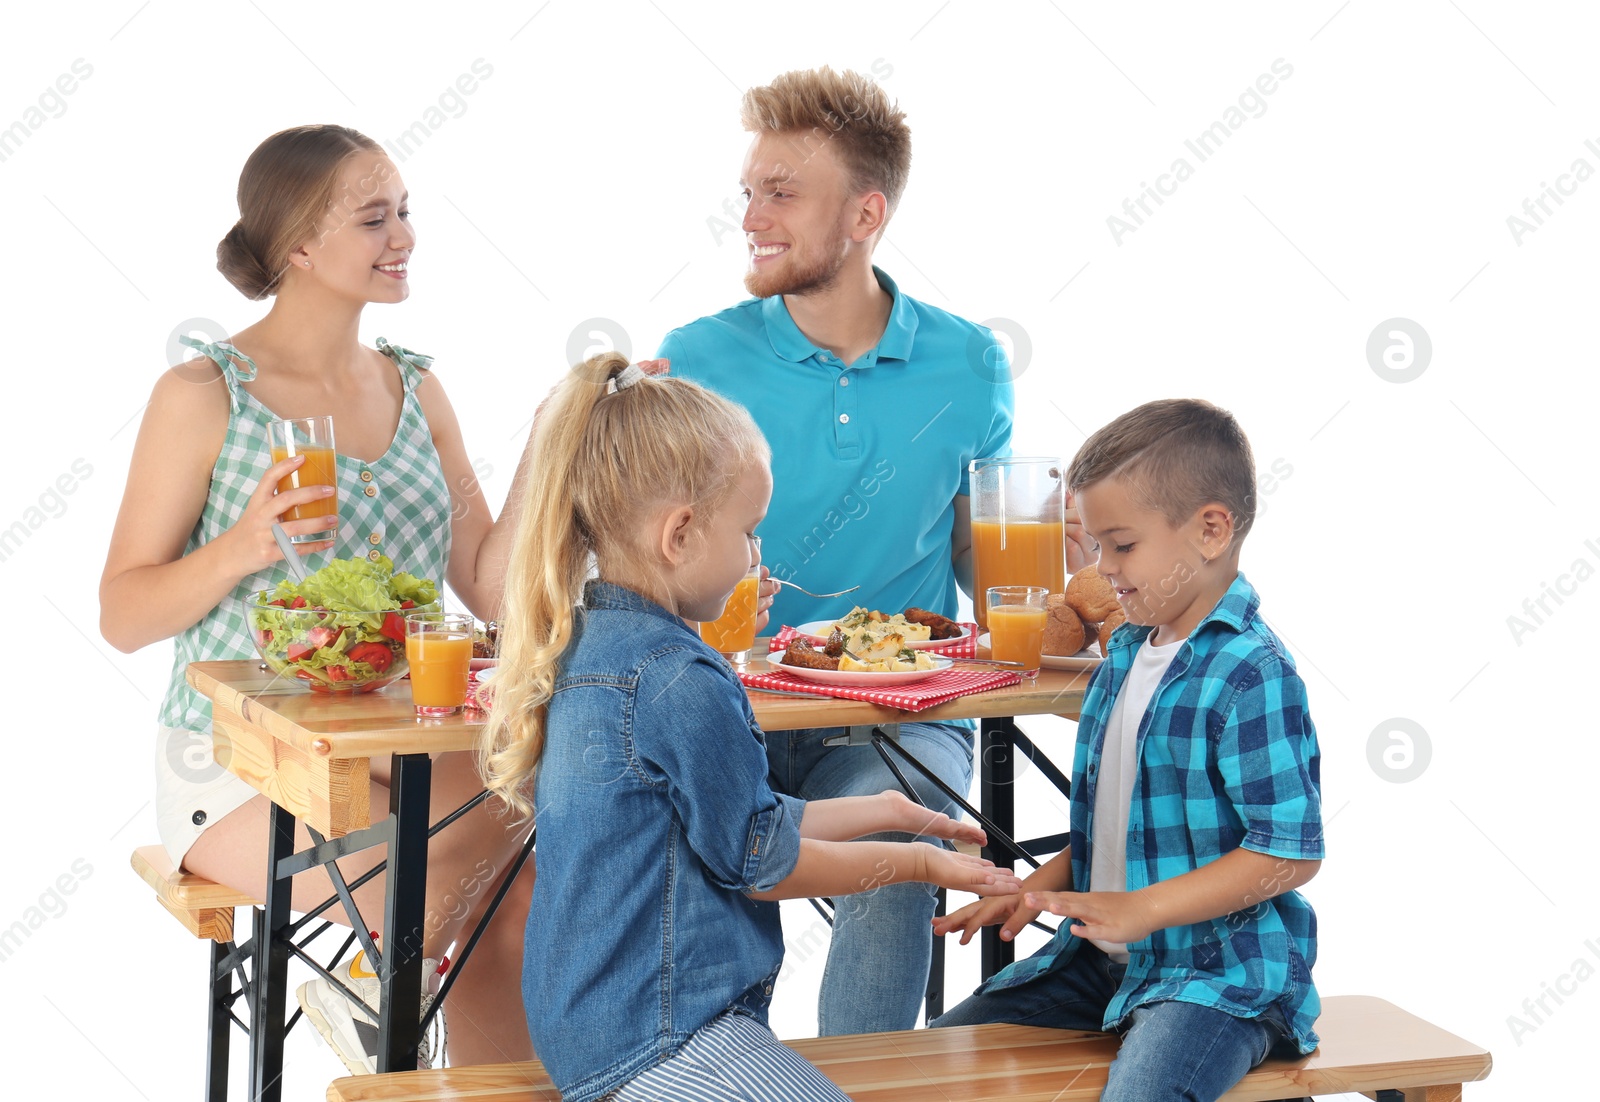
{"x":867,"y":128}
{"x":1174,"y":455}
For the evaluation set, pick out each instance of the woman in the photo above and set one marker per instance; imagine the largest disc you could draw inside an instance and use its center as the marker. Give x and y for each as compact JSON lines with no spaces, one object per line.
{"x":324,"y":228}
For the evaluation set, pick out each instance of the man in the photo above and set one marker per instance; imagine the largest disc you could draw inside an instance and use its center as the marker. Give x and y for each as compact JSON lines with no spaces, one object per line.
{"x":874,"y":405}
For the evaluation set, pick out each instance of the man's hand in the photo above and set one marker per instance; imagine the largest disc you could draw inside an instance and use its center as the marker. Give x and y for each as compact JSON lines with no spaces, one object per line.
{"x":1106,"y":916}
{"x":1009,"y":909}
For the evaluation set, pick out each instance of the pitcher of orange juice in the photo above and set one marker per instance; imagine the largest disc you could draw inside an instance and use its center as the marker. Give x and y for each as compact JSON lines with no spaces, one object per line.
{"x":1019,"y":530}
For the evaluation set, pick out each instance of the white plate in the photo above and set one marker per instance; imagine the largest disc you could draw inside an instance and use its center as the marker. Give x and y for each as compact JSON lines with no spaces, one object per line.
{"x":1086,"y":659}
{"x":859,"y":679}
{"x":817,"y":632}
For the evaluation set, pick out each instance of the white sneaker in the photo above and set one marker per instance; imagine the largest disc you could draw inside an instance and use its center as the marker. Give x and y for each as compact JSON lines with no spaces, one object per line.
{"x":351,"y":1035}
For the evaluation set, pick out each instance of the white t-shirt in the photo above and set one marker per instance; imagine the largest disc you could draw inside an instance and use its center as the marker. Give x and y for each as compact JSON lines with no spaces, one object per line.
{"x":1119,"y":765}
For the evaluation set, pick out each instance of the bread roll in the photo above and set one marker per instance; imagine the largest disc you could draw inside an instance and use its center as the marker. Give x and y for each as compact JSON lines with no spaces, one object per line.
{"x":1091,"y":596}
{"x":1064,"y":631}
{"x":1112,"y":622}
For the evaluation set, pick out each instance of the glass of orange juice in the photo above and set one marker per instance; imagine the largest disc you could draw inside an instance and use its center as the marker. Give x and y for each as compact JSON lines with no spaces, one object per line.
{"x":1016,"y":625}
{"x":733,"y":634}
{"x":1018,"y":508}
{"x":311,"y":437}
{"x":439,"y":652}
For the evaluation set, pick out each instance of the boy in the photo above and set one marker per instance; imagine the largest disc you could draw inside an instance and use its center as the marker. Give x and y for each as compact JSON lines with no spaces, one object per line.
{"x":1196,"y":795}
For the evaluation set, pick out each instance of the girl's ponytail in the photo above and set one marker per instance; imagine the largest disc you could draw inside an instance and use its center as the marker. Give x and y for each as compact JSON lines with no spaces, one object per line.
{"x":544,"y":585}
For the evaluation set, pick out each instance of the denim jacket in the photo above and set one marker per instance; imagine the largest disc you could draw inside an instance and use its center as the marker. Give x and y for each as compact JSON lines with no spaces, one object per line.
{"x":655,"y":818}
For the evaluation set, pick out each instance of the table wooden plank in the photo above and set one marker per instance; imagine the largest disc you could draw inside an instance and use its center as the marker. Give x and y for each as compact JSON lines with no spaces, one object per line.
{"x":382,"y":722}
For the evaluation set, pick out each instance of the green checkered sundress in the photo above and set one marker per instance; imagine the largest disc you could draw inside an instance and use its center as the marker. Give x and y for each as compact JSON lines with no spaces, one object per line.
{"x":398,"y":506}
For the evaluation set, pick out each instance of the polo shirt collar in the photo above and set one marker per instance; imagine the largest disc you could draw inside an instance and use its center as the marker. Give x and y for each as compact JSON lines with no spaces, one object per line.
{"x":792,"y":345}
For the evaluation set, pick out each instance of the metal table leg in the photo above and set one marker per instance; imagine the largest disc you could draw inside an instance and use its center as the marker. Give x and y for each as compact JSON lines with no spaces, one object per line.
{"x":997,"y":799}
{"x":271,"y":972}
{"x":400,"y":973}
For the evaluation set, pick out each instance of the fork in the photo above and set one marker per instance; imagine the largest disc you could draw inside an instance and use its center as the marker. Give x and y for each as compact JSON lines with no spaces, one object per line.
{"x":808,"y":592}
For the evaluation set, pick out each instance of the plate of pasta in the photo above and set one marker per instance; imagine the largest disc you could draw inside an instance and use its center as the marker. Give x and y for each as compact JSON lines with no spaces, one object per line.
{"x":878,"y":674}
{"x":918,"y":629}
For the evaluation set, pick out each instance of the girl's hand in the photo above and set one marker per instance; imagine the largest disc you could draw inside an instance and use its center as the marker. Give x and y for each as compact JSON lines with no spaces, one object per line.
{"x":1009,"y":909}
{"x":913,"y":818}
{"x":251,"y":536}
{"x":961,"y":872}
{"x":1106,"y":916}
{"x":766,"y":592}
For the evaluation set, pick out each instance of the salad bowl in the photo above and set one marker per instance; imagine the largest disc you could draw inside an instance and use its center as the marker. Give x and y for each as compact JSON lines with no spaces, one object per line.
{"x":342,"y":629}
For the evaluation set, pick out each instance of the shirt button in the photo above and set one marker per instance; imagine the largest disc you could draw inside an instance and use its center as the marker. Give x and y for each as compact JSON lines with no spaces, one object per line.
{"x":844,"y":380}
{"x":844,"y":418}
{"x":366,"y":476}
{"x":374,"y":555}
{"x":375,"y":538}
{"x":371,"y":491}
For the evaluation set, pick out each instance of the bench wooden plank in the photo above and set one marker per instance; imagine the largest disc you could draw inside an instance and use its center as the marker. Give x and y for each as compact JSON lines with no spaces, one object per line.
{"x":204,"y":907}
{"x":1367,"y":1044}
{"x":184,"y":889}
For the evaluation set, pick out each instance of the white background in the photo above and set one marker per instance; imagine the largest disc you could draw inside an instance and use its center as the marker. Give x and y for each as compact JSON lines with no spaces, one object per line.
{"x":577,"y":183}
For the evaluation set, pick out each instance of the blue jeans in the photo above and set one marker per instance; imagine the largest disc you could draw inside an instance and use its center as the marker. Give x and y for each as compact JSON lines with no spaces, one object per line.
{"x":877,"y":970}
{"x":1170,"y":1052}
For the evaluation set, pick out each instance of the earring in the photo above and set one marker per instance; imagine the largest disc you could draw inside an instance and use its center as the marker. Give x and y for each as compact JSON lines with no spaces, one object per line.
{"x":308,"y":264}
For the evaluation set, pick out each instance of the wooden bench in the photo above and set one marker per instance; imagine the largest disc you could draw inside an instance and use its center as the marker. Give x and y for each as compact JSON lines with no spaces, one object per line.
{"x":1368,"y":1046}
{"x":203,"y":906}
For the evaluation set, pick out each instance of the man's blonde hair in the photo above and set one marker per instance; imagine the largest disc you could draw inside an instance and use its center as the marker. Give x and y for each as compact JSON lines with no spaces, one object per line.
{"x":868,"y":130}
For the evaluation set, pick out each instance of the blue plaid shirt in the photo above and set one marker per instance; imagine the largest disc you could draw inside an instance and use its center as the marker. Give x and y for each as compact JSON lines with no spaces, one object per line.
{"x":1227,"y":758}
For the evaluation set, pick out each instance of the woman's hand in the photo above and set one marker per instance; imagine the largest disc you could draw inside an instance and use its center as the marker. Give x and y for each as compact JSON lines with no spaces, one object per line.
{"x":1008,"y":909}
{"x":250,"y":540}
{"x":961,"y":872}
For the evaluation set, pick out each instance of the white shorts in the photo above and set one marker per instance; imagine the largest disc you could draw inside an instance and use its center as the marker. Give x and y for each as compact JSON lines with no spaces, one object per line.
{"x":192,"y":790}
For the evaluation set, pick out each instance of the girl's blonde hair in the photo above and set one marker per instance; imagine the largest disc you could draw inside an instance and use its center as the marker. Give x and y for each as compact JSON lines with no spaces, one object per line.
{"x":603,"y":461}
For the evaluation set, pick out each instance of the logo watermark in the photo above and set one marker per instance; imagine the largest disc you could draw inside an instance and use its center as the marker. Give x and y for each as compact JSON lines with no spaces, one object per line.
{"x":1536,"y":610}
{"x":1399,"y":350}
{"x":1399,"y":750}
{"x":451,"y":104}
{"x":1251,"y":104}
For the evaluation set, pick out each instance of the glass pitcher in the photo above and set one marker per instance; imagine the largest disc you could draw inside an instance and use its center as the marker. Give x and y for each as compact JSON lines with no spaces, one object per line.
{"x":1019,"y":533}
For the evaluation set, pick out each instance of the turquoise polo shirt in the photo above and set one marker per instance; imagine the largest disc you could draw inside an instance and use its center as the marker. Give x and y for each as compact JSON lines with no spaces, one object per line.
{"x":867,"y":458}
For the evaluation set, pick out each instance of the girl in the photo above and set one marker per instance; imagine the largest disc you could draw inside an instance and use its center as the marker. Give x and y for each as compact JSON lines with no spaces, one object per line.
{"x":654,"y":939}
{"x":324,"y":226}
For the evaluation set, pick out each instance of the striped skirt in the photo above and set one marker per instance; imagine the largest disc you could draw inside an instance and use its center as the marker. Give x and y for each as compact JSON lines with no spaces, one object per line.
{"x":733,"y":1058}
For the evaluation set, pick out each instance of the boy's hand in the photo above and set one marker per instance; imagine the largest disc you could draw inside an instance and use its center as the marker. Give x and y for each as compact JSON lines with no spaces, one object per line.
{"x":913,"y":818}
{"x":1106,"y":916}
{"x":937,"y":865}
{"x":1009,"y":909}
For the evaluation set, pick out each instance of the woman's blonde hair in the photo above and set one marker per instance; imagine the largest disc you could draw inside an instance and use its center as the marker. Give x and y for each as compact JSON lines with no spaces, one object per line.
{"x":286,"y":189}
{"x":603,"y":461}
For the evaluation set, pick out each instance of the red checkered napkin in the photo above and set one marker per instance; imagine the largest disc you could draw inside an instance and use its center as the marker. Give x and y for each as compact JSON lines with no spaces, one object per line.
{"x":943,"y":686}
{"x":961,"y":648}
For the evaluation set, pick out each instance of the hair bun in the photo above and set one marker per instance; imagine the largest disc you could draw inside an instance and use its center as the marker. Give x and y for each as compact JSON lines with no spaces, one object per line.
{"x":241,"y":264}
